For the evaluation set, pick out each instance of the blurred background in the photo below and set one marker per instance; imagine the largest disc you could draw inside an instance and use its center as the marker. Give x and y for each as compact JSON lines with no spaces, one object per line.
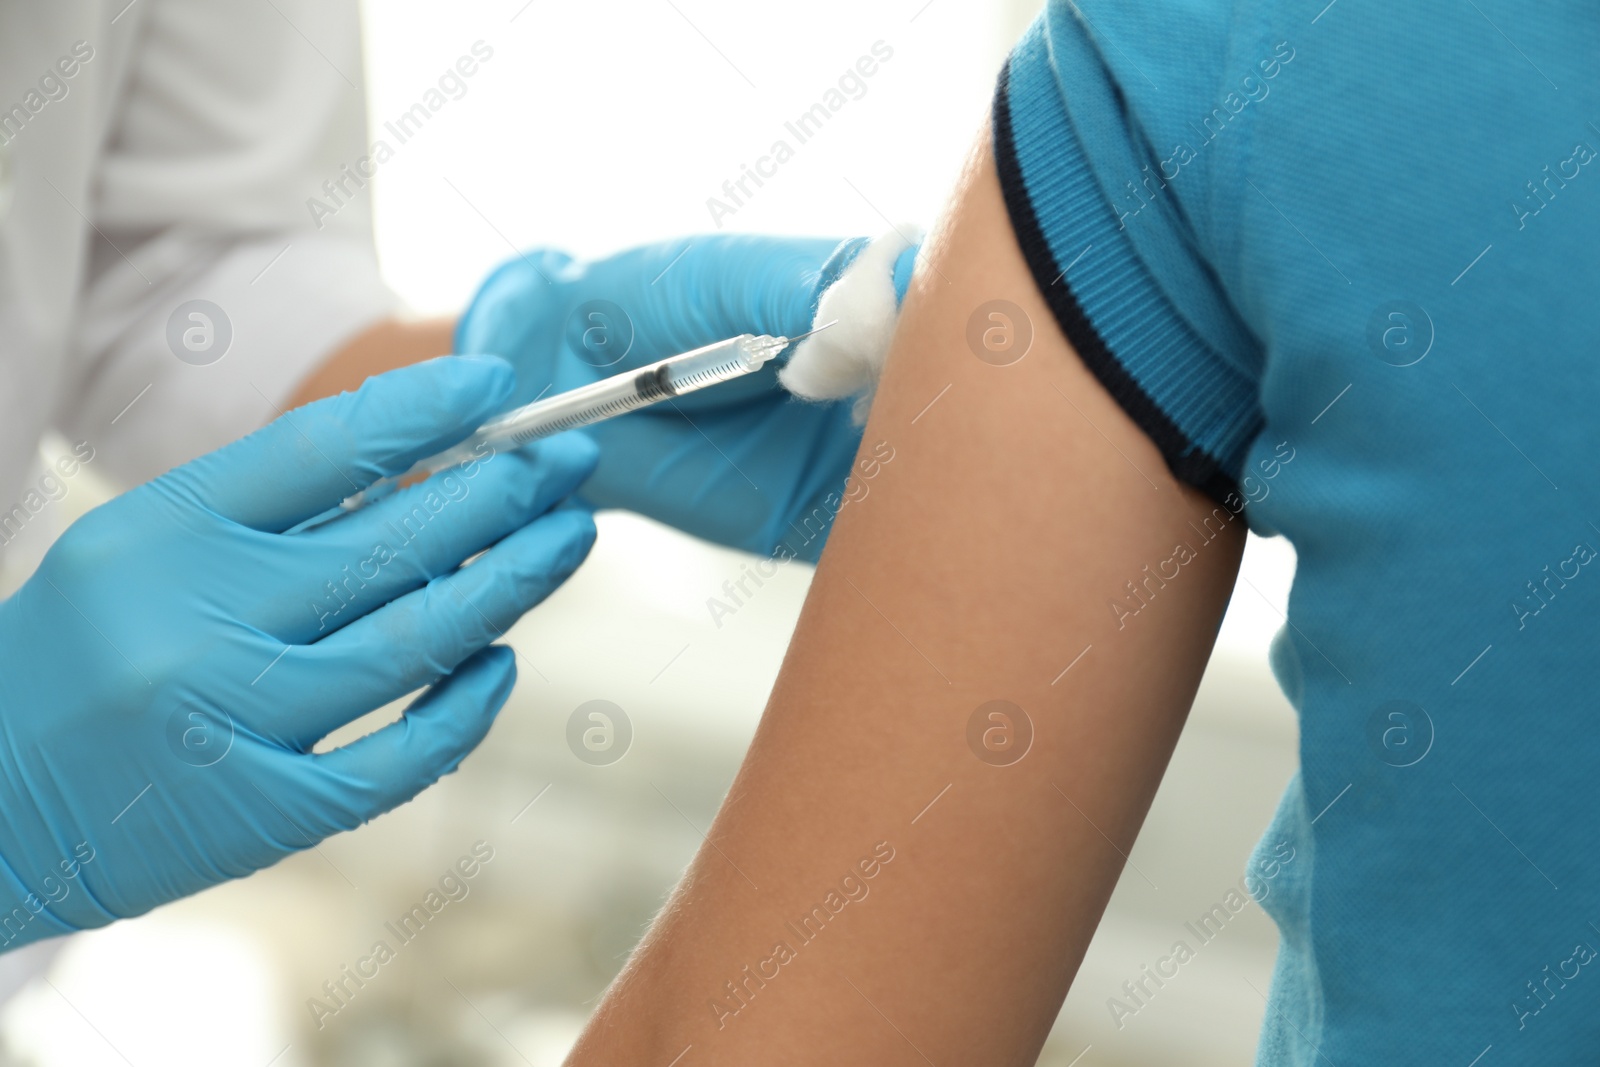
{"x":594,"y":127}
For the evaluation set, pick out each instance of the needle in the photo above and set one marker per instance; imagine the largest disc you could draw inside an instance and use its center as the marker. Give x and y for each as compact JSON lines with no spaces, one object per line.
{"x":814,"y":329}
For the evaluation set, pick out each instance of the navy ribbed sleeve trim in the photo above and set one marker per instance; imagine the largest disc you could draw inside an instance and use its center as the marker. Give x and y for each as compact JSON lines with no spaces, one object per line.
{"x":1200,"y":411}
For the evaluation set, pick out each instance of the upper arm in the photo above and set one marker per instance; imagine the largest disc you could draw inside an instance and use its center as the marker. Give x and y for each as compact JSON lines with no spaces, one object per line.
{"x":978,"y":564}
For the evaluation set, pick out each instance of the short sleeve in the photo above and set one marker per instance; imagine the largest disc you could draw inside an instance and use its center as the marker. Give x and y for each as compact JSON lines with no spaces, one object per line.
{"x":1104,"y":219}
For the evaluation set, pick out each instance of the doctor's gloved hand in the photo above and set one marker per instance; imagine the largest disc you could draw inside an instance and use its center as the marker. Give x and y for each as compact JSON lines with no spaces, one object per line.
{"x":167,"y":671}
{"x":742,"y":463}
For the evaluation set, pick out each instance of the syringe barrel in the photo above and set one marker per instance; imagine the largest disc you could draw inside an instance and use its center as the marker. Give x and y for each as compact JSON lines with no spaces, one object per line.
{"x":701,"y":367}
{"x":674,"y":376}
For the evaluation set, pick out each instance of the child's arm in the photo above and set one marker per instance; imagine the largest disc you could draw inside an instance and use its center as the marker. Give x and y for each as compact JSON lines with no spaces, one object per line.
{"x":981,"y":561}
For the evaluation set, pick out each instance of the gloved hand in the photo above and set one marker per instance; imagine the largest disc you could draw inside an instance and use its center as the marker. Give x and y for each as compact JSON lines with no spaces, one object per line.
{"x":166,"y":672}
{"x":741,"y":463}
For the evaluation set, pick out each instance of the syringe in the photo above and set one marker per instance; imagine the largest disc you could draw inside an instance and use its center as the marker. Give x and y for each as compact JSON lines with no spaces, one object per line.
{"x":605,"y":399}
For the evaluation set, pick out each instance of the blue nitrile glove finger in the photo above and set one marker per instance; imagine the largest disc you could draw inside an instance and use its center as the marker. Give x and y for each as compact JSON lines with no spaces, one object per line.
{"x":160,"y":678}
{"x":423,"y":531}
{"x":764,"y":477}
{"x":638,"y":306}
{"x":440,"y":625}
{"x":439,"y":728}
{"x":741,"y":463}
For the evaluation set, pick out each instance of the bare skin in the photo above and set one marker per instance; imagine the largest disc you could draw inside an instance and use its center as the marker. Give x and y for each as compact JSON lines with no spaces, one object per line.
{"x":381,"y":347}
{"x":980,"y":563}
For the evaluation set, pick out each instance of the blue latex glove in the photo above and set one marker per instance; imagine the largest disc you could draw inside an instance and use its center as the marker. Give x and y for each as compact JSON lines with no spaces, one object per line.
{"x":743,"y":463}
{"x":166,"y":672}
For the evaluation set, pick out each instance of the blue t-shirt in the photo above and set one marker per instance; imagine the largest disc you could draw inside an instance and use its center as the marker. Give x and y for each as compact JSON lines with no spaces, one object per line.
{"x":1342,"y":260}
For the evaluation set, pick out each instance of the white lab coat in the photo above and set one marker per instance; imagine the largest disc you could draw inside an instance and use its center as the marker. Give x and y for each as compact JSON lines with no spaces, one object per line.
{"x":173,"y":163}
